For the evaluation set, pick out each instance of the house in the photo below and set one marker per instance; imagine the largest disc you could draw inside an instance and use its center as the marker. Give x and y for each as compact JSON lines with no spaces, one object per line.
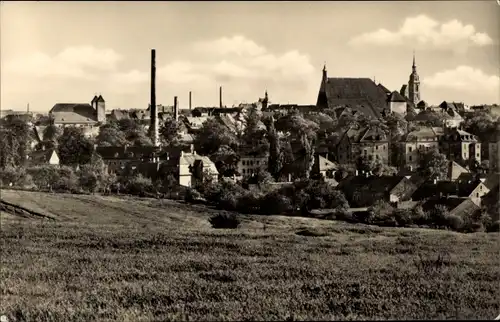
{"x":364,"y":191}
{"x":456,"y":171}
{"x":369,"y":142}
{"x":459,"y":207}
{"x":417,"y":142}
{"x":360,"y":94}
{"x":43,"y":157}
{"x":323,"y":166}
{"x":117,"y":158}
{"x":460,"y":145}
{"x":249,"y":163}
{"x":474,"y":190}
{"x":193,"y":167}
{"x":397,"y":103}
{"x":79,"y":114}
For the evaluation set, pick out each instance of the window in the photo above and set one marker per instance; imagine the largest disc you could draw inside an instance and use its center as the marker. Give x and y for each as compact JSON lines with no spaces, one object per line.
{"x":409,"y":158}
{"x":243,"y":162}
{"x":377,"y":157}
{"x":365,"y":152}
{"x":383,"y":147}
{"x":477,"y":195}
{"x":376,"y":147}
{"x":477,"y":155}
{"x":409,"y":149}
{"x":480,"y":187}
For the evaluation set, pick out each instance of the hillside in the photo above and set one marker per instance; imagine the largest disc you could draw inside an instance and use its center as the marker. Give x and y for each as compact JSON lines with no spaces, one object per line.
{"x":130,"y":259}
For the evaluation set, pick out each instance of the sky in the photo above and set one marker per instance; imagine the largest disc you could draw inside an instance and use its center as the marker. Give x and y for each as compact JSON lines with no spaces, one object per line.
{"x":66,"y":52}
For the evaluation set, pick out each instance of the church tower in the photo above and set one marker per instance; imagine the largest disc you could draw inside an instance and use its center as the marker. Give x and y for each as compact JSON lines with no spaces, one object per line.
{"x":414,"y":84}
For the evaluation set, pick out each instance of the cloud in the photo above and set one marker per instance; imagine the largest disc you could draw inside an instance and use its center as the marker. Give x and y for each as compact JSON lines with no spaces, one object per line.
{"x":73,"y":62}
{"x":464,"y":78}
{"x":251,"y":62}
{"x":425,"y":31}
{"x":238,"y":45}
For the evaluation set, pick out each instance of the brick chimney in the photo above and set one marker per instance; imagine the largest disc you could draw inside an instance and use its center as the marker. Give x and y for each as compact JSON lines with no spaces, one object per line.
{"x":154,"y":114}
{"x":190,"y":100}
{"x":176,"y":109}
{"x":220,"y":97}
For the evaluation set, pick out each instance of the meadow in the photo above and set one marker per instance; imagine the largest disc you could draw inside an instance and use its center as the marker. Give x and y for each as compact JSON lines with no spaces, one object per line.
{"x":131,"y":259}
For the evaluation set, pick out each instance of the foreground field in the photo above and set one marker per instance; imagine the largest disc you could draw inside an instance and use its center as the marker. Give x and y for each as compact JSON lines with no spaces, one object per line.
{"x":105,"y":258}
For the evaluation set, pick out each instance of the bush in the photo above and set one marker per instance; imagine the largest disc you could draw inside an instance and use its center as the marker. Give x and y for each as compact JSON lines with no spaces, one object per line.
{"x":138,"y":185}
{"x":193,"y":196}
{"x":453,"y":222}
{"x":275,"y":203}
{"x":248,"y":203}
{"x":10,"y":175}
{"x":494,"y":227}
{"x":66,"y":180}
{"x":224,"y":221}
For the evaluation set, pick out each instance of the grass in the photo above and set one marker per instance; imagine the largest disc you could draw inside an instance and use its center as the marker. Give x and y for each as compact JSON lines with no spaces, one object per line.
{"x":106,"y":258}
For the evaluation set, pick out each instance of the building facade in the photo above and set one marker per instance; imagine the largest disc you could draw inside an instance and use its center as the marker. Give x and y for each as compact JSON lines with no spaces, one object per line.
{"x":366,"y":143}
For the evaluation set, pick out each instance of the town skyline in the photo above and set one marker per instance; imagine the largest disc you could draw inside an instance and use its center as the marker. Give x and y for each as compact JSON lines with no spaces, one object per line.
{"x":106,"y":50}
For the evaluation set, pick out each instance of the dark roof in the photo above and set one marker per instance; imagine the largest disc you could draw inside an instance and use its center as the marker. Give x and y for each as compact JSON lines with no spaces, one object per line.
{"x":457,"y":206}
{"x":397,"y":185}
{"x":41,"y":156}
{"x":385,"y":89}
{"x":361,"y":94}
{"x":120,"y":114}
{"x":100,"y":99}
{"x":73,"y":113}
{"x":94,"y":99}
{"x":357,"y":135}
{"x":396,"y":97}
{"x":445,"y":188}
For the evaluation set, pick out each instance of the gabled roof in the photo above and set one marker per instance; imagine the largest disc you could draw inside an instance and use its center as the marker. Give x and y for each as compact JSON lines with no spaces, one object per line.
{"x":361,"y":94}
{"x":120,"y":114}
{"x":397,"y":185}
{"x":455,"y":170}
{"x":191,"y":158}
{"x":396,"y":97}
{"x":428,"y":115}
{"x":387,"y":91}
{"x":324,"y":164}
{"x":100,"y":99}
{"x":456,"y":206}
{"x":73,"y":113}
{"x":492,"y":181}
{"x":423,"y":134}
{"x":445,"y":188}
{"x":41,"y":156}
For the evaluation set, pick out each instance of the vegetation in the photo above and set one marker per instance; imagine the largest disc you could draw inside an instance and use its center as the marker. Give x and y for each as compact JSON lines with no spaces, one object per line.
{"x":106,"y":258}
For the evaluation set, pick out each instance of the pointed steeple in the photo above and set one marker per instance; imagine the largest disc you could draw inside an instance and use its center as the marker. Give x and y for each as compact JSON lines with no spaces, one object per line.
{"x":414,"y":66}
{"x":325,"y":75}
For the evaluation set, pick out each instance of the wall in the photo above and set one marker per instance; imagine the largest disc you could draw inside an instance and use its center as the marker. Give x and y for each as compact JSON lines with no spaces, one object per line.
{"x":413,"y":157}
{"x":398,"y":107}
{"x":249,"y":165}
{"x":54,"y":159}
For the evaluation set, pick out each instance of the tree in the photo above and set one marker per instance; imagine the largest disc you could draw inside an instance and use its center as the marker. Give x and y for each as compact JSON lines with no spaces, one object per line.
{"x":253,"y":135}
{"x":110,"y":135}
{"x":51,"y":133}
{"x":94,"y":176}
{"x":135,"y":134}
{"x":15,"y":142}
{"x":396,"y":125}
{"x":74,"y":148}
{"x":226,"y":160}
{"x":324,"y":121}
{"x":481,"y":123}
{"x":212,"y":136}
{"x":275,"y":163}
{"x":433,"y":165}
{"x":170,"y":132}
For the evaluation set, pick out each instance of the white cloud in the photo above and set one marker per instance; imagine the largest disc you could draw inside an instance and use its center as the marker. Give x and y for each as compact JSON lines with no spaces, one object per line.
{"x":464,"y":78}
{"x":238,"y":45}
{"x":425,"y":31}
{"x":132,"y":77}
{"x":73,"y":62}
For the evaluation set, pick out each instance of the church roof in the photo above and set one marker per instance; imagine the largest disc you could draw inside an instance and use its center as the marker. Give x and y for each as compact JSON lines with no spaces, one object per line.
{"x":73,"y":113}
{"x":360,"y":94}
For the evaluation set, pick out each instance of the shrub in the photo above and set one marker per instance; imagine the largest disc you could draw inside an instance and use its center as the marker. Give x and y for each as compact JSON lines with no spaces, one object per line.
{"x":403,"y":217}
{"x":66,"y":180}
{"x":193,"y":196}
{"x":494,"y":227}
{"x":453,"y":222}
{"x":275,"y":203}
{"x":138,"y":184}
{"x":43,"y":176}
{"x":9,"y":175}
{"x":248,"y":203}
{"x":224,"y":221}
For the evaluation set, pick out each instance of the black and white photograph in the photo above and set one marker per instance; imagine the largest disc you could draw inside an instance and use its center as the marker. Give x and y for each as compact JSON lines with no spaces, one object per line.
{"x":249,"y":160}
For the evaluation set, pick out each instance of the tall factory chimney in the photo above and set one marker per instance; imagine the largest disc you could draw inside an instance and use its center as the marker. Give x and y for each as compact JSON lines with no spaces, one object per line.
{"x":153,"y":111}
{"x":190,"y":100}
{"x":176,"y":109}
{"x":220,"y":97}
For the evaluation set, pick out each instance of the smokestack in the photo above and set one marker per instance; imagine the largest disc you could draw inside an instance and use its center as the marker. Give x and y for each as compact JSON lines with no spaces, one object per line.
{"x":190,"y":100}
{"x":176,"y":109}
{"x":220,"y":97}
{"x":28,"y":107}
{"x":154,"y":114}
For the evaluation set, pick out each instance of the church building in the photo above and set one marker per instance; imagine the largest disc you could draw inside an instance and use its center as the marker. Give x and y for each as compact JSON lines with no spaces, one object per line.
{"x":411,"y":91}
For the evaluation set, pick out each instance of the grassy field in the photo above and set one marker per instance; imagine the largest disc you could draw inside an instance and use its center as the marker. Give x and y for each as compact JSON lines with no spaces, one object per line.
{"x":129,"y":259}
